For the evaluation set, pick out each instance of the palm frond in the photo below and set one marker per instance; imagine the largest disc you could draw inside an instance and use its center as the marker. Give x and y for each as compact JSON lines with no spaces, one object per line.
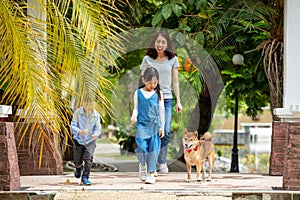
{"x":52,"y":51}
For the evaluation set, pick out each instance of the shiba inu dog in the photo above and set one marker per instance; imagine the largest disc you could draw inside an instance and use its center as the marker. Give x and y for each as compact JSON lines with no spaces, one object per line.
{"x":196,"y":152}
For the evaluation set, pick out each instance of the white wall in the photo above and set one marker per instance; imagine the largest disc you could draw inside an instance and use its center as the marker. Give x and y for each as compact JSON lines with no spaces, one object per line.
{"x":292,"y":53}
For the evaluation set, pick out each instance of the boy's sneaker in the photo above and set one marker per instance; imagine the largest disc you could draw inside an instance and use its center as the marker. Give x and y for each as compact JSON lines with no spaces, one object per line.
{"x":155,"y":174}
{"x":85,"y":181}
{"x":142,"y":172}
{"x":150,"y":179}
{"x":163,"y":168}
{"x":77,"y":172}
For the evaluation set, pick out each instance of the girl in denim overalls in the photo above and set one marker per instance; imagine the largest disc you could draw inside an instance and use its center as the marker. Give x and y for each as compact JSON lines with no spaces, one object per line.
{"x":149,"y":114}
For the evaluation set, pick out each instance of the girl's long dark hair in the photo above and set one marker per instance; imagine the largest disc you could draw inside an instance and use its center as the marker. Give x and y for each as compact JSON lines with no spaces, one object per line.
{"x":148,"y":74}
{"x":169,"y":51}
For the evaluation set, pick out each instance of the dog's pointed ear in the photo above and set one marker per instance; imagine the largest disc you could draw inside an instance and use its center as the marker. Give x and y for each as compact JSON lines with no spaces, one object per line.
{"x":184,"y":130}
{"x":196,"y":133}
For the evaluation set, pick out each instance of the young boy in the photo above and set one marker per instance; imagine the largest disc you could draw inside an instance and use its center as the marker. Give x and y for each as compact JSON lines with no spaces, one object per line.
{"x":86,"y":129}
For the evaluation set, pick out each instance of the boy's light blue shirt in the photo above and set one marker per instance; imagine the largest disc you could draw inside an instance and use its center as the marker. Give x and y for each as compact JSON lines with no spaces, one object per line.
{"x":80,"y":122}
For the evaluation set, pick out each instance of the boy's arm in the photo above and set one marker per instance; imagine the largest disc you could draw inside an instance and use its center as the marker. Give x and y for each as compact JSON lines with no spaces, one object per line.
{"x":97,"y":127}
{"x":74,"y":124}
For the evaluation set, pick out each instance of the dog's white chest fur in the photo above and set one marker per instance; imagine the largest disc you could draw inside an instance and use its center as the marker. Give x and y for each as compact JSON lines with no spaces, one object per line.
{"x":192,"y":157}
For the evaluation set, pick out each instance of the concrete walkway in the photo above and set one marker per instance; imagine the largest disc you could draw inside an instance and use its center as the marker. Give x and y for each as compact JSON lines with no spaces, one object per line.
{"x":129,"y":181}
{"x":126,"y":185}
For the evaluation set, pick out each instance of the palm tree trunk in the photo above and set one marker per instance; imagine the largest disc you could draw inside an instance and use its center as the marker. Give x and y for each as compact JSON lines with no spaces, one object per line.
{"x":202,"y":114}
{"x":273,"y":66}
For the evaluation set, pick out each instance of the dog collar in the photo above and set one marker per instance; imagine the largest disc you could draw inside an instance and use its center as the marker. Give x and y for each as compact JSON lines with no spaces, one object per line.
{"x":190,"y":150}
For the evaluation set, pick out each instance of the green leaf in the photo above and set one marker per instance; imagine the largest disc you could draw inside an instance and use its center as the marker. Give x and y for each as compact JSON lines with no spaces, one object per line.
{"x":180,"y":38}
{"x":156,"y":19}
{"x":200,"y":3}
{"x":167,"y":11}
{"x":191,"y":2}
{"x":226,"y":72}
{"x":177,"y":10}
{"x":200,"y":38}
{"x":183,"y":6}
{"x":232,"y":75}
{"x":187,"y":28}
{"x":241,"y":39}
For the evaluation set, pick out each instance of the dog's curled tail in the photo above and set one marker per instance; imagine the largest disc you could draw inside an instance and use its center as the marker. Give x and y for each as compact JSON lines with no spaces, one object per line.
{"x":206,"y":136}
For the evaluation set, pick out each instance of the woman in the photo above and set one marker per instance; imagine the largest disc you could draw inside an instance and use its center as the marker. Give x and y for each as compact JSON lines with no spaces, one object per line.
{"x":161,"y":56}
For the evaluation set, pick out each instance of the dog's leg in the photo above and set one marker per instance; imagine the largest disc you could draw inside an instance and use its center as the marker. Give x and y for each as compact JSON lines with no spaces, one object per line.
{"x":189,"y":170}
{"x":210,"y":169}
{"x":203,"y":171}
{"x":198,"y":168}
{"x":211,"y":164}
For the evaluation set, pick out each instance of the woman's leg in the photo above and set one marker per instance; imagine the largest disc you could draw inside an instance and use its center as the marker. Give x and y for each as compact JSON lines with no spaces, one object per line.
{"x":162,"y":158}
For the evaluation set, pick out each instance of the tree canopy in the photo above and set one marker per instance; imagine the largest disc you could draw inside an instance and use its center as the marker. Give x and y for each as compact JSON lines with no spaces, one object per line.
{"x":222,"y":28}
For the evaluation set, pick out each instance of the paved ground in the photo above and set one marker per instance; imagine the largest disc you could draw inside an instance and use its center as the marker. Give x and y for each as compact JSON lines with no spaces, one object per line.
{"x":126,"y":185}
{"x":164,"y":182}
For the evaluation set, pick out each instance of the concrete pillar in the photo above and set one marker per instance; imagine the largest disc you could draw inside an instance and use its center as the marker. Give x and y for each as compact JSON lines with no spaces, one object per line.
{"x":286,"y":134}
{"x":291,"y":51}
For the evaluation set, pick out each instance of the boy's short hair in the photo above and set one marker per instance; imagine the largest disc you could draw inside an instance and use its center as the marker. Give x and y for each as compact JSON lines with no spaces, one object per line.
{"x":88,"y":99}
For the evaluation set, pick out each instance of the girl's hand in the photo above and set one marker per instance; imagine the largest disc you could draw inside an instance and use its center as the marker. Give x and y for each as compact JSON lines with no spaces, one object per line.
{"x":133,"y":119}
{"x":161,"y":133}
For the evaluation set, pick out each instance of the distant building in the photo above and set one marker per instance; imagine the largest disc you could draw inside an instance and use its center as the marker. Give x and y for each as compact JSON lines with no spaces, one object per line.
{"x":255,"y":133}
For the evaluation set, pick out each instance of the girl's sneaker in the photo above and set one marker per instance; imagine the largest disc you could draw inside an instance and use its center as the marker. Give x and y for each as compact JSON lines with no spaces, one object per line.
{"x":150,"y":179}
{"x":85,"y":181}
{"x":142,"y":172}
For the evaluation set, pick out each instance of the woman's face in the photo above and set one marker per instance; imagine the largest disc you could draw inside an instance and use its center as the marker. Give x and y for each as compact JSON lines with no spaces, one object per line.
{"x":161,"y":44}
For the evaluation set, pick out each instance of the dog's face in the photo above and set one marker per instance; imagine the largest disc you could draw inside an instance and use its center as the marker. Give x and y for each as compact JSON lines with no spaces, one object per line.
{"x":190,"y":139}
